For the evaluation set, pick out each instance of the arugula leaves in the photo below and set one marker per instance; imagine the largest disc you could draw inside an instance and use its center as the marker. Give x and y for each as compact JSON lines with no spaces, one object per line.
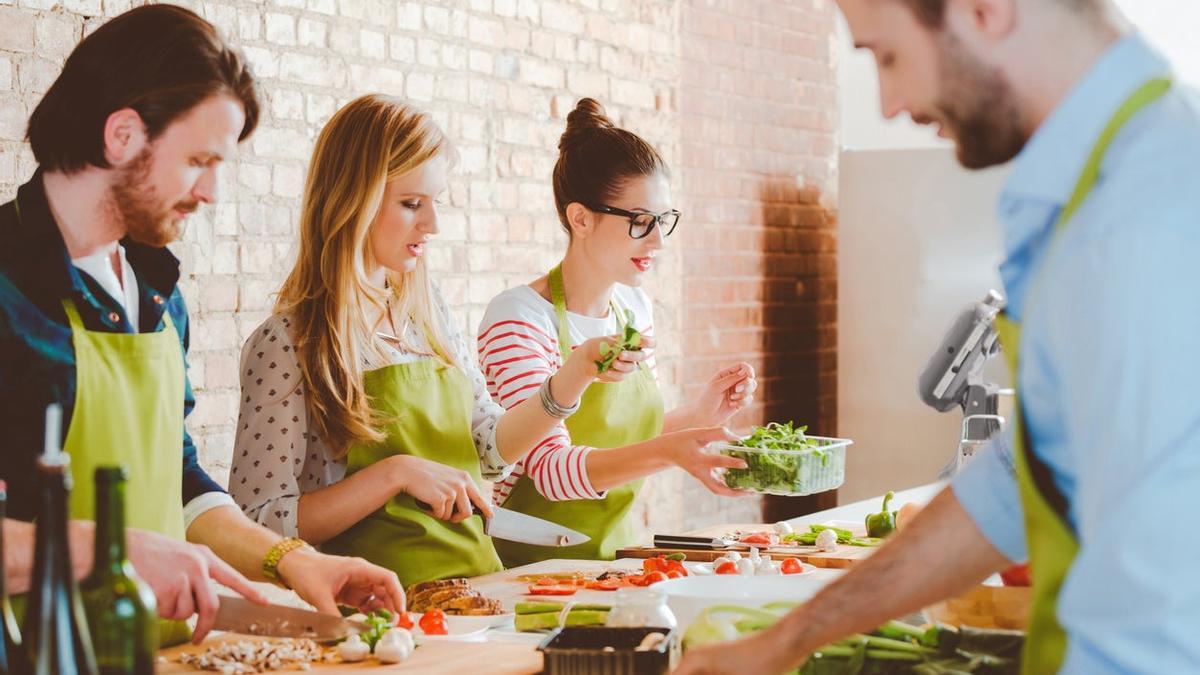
{"x":631,"y":341}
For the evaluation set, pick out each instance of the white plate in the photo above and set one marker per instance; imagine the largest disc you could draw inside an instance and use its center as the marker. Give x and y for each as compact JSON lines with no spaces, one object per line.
{"x":500,"y":620}
{"x":706,"y":569}
{"x":688,"y":596}
{"x":462,"y":628}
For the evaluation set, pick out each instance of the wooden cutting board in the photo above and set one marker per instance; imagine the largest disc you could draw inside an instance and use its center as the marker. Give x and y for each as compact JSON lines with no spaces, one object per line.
{"x":448,"y":658}
{"x":843,"y":557}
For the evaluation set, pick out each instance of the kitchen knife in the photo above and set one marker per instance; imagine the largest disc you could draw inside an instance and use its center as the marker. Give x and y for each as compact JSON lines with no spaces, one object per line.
{"x":684,"y":541}
{"x":238,"y":615}
{"x":519,"y":527}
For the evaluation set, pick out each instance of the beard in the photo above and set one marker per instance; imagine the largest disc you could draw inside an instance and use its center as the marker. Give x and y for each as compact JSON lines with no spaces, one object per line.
{"x":977,"y":107}
{"x":138,"y":206}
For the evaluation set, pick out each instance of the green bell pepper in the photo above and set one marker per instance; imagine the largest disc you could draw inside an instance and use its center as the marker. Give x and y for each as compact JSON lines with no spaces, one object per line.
{"x":883,"y":523}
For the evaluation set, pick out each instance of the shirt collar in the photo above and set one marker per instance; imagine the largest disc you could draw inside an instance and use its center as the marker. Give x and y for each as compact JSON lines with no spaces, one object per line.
{"x":1048,"y":167}
{"x":39,"y":244}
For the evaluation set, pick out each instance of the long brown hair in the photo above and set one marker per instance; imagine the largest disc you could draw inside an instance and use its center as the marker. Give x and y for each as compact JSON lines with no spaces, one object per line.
{"x":372,"y":140}
{"x":595,"y":157}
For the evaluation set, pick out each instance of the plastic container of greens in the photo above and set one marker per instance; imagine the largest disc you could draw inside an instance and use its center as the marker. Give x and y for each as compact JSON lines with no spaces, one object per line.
{"x":782,"y":460}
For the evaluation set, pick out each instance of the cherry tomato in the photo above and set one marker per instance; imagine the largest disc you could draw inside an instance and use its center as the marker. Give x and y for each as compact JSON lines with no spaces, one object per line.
{"x":791,"y":566}
{"x":676,"y":566}
{"x":433,"y":622}
{"x":403,"y":620}
{"x":1017,"y":575}
{"x":727,"y":567}
{"x":655,"y":577}
{"x":649,"y":565}
{"x":676,"y":574}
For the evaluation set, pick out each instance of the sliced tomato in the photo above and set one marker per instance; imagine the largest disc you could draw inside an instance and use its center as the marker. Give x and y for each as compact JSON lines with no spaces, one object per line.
{"x":553,"y":590}
{"x":676,"y":566}
{"x":727,"y":567}
{"x":655,"y":577}
{"x":606,"y":585}
{"x":791,"y":566}
{"x":676,"y":574}
{"x":760,"y":539}
{"x":547,"y":581}
{"x":433,"y":622}
{"x":403,"y":620}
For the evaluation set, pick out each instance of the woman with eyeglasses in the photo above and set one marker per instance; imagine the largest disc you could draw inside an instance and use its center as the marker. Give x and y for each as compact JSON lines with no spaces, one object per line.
{"x":614,"y":201}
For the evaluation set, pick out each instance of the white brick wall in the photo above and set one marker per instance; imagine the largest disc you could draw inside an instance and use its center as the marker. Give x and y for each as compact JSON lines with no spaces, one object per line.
{"x":500,"y":75}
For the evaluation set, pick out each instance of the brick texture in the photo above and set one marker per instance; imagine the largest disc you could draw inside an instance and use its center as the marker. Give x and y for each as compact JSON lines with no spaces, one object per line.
{"x":737,"y":94}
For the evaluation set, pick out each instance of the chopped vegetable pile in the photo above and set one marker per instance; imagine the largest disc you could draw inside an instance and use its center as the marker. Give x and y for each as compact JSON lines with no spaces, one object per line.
{"x":631,"y":341}
{"x":843,"y":537}
{"x":779,"y":459}
{"x":894,"y":648}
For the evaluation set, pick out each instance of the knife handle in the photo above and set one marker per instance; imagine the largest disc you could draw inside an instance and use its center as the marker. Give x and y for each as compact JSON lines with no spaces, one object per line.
{"x":425,"y":506}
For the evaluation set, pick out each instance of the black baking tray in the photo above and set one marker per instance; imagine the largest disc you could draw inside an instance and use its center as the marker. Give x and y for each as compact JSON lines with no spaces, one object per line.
{"x":579,"y":650}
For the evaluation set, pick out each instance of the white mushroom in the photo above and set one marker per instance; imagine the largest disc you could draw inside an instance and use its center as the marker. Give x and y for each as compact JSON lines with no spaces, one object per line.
{"x":827,"y":540}
{"x":782,"y":528}
{"x":353,"y":649}
{"x":395,"y":646}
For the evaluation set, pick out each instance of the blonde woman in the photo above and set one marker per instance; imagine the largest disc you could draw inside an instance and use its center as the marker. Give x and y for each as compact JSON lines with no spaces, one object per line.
{"x":358,"y":394}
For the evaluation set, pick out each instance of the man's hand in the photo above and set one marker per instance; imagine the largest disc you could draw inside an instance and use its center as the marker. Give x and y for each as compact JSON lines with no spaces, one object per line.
{"x":326,"y":581}
{"x":759,"y":654}
{"x":179,"y":574}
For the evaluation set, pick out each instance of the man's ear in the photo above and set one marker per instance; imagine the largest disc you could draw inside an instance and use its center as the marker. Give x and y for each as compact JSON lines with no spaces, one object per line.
{"x":988,"y":20}
{"x":124,"y":136}
{"x":579,"y":219}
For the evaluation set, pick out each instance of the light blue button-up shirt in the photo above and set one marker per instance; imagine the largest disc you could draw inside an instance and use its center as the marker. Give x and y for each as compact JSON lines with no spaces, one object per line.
{"x":1110,"y":366}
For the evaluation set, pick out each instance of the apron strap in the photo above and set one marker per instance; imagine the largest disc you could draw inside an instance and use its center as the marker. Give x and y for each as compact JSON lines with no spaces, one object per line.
{"x":1043,"y":478}
{"x":558,"y":295}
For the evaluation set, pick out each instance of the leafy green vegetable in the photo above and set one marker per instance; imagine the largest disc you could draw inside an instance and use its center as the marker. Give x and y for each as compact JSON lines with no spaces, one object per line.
{"x":779,"y":459}
{"x":631,"y":341}
{"x":844,"y":537}
{"x":549,"y":620}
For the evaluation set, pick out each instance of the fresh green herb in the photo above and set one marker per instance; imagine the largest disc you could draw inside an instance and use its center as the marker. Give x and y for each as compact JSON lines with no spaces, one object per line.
{"x":631,"y":341}
{"x":378,"y":623}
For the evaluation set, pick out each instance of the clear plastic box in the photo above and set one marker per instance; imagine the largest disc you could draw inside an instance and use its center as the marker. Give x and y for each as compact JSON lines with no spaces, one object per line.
{"x":792,"y":473}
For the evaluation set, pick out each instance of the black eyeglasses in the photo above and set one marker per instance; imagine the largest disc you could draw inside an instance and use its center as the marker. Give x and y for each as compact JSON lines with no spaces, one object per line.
{"x":641,"y":224}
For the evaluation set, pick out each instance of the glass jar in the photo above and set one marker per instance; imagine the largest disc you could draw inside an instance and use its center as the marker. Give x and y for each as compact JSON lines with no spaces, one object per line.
{"x":640,"y":608}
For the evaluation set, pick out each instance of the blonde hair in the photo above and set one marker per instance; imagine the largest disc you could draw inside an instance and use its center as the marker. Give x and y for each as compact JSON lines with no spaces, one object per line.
{"x":372,"y":140}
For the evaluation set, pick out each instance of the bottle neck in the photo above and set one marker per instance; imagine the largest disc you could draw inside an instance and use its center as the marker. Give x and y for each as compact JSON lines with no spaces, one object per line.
{"x":110,"y":550}
{"x":52,"y":557}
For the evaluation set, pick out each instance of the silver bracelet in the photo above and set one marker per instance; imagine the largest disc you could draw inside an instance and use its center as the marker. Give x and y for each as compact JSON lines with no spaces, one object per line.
{"x":551,"y":406}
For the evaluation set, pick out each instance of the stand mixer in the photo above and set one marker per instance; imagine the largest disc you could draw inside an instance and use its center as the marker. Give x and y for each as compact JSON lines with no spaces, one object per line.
{"x":953,"y":377}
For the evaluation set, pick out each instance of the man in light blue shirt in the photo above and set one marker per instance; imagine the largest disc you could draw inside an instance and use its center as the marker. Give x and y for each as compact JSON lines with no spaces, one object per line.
{"x":1108,"y":356}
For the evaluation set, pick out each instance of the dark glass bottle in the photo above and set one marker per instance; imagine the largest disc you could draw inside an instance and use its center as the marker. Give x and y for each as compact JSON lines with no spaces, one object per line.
{"x":121,"y":613}
{"x":56,"y":640}
{"x":10,"y":643}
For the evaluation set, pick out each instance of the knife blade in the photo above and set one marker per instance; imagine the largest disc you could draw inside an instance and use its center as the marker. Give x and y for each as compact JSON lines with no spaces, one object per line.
{"x":685,"y":541}
{"x":523,"y":528}
{"x":239,"y":615}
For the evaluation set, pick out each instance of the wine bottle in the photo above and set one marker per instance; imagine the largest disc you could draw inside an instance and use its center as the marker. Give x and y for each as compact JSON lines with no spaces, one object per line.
{"x":120,"y":607}
{"x":56,"y":640}
{"x":11,"y":657}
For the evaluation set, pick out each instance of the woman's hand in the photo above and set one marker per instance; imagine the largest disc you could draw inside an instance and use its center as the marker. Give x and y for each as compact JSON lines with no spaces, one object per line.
{"x":728,"y":391}
{"x":585,"y":356}
{"x":685,"y":449}
{"x":449,"y":491}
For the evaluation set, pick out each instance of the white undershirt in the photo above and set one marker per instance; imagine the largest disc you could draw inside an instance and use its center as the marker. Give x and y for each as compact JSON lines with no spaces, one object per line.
{"x":99,"y":266}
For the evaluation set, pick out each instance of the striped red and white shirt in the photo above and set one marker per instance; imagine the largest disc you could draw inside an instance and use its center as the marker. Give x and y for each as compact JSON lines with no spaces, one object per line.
{"x":518,"y":350}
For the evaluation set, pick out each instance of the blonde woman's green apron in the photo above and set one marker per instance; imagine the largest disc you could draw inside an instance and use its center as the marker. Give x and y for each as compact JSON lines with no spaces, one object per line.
{"x":1052,"y":543}
{"x":610,"y":415}
{"x":129,"y":411}
{"x":428,"y":408}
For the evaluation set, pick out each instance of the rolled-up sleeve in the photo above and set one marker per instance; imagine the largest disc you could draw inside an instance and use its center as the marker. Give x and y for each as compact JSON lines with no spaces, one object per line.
{"x":987,"y":489}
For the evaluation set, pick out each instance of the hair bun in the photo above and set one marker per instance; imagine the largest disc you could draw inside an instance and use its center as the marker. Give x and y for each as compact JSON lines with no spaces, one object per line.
{"x":588,"y":116}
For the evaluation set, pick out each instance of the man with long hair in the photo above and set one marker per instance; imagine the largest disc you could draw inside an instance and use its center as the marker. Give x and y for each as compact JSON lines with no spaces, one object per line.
{"x":1101,"y":241}
{"x":128,"y":142}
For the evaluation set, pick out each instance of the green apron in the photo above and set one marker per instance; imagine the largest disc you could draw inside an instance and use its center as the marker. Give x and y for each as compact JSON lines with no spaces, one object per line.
{"x":610,"y":415}
{"x":428,"y":408}
{"x":1051,"y":541}
{"x":128,"y":411}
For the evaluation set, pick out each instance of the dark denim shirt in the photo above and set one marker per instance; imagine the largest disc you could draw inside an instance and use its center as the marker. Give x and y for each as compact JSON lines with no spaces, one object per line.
{"x":37,"y":356}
